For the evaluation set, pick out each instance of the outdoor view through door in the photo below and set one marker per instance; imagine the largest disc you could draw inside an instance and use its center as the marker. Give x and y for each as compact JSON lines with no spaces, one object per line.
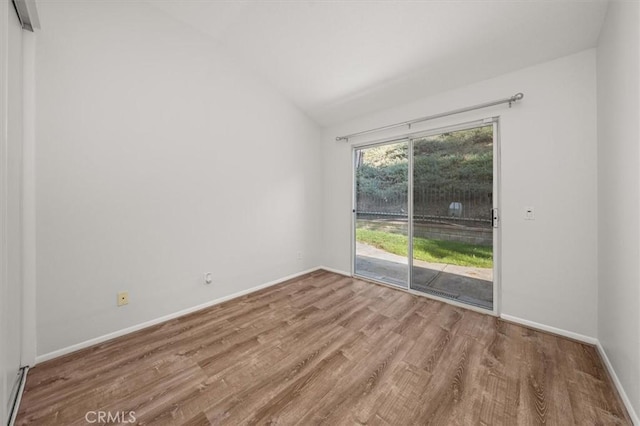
{"x":446,"y":249}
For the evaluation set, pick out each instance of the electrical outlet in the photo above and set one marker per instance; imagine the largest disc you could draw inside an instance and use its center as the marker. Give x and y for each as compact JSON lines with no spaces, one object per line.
{"x":299,"y":255}
{"x":123,"y":298}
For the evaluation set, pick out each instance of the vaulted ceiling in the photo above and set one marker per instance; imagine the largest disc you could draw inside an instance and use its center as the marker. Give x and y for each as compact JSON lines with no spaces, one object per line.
{"x":340,"y":59}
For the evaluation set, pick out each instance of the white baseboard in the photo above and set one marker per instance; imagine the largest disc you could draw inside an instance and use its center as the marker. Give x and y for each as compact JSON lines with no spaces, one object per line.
{"x":560,"y":332}
{"x":623,"y":395}
{"x":122,"y":332}
{"x":335,"y":271}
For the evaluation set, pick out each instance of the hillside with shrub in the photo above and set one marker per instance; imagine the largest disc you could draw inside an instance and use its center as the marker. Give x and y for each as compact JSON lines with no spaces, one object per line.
{"x":450,"y":167}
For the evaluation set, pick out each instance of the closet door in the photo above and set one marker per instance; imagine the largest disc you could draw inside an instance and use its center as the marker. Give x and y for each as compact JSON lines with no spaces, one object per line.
{"x":11,"y":205}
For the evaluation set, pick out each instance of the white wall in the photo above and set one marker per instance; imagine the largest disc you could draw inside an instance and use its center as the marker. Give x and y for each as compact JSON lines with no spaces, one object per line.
{"x":619,"y":194}
{"x":548,"y":143}
{"x":158,"y":159}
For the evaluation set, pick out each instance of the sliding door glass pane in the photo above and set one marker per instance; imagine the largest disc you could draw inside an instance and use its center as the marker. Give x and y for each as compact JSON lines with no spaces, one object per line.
{"x":381,"y":218}
{"x":452,"y":202}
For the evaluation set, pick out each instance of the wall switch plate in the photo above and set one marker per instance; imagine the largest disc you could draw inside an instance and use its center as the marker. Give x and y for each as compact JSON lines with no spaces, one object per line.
{"x":529,"y":213}
{"x":123,"y":298}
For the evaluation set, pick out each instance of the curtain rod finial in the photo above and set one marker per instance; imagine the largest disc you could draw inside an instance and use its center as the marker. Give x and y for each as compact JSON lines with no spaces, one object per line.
{"x":515,"y":98}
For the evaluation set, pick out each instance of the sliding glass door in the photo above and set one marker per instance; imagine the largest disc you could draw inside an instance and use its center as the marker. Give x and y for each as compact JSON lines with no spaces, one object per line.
{"x":446,"y":182}
{"x":381,"y":213}
{"x":452,"y":213}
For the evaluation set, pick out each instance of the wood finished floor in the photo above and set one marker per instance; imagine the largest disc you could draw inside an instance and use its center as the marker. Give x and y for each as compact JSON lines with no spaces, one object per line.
{"x":324,"y":348}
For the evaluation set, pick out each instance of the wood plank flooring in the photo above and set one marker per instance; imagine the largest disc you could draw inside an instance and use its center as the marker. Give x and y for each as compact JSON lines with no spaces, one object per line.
{"x":329,"y":349}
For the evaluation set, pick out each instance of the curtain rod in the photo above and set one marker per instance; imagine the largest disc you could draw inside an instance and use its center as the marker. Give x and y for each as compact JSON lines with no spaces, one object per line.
{"x":510,"y":100}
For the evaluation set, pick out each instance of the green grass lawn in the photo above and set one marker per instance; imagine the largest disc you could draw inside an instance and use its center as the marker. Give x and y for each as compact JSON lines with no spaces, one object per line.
{"x":451,"y":252}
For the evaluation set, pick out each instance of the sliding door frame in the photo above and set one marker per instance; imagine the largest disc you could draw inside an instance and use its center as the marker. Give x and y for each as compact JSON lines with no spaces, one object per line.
{"x":497,"y":191}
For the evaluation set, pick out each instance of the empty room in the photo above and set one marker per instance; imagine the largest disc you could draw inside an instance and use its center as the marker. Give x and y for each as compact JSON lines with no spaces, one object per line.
{"x":329,"y":212}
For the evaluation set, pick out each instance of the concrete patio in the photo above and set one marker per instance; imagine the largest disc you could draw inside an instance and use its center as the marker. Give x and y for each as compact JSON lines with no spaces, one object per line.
{"x":464,"y":284}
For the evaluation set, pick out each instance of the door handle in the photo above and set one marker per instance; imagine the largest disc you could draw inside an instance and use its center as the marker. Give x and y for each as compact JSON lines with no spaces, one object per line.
{"x":494,"y":218}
